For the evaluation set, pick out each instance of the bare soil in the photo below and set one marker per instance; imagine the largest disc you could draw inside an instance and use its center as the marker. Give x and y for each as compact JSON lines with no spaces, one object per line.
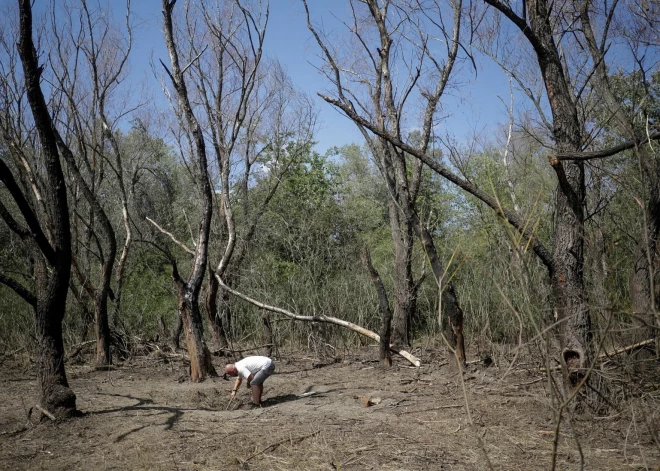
{"x":347,"y":414}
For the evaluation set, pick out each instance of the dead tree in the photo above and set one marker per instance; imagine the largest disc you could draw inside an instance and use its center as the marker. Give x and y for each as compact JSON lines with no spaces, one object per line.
{"x":251,"y":113}
{"x":188,"y":290}
{"x":47,"y":233}
{"x":368,"y":85}
{"x":321,"y":318}
{"x":385,"y":311}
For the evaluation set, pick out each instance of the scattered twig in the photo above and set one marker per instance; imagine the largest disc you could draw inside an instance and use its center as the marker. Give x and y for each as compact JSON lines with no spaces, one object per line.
{"x":527,"y":383}
{"x":452,"y":406}
{"x":79,"y":347}
{"x":276,"y":444}
{"x":13,"y":352}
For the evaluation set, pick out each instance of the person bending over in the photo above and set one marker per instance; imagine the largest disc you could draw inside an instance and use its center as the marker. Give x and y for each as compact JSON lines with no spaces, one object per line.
{"x":255,"y":370}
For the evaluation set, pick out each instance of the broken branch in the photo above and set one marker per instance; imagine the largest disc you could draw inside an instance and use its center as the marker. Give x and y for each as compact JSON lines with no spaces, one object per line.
{"x":320,"y":318}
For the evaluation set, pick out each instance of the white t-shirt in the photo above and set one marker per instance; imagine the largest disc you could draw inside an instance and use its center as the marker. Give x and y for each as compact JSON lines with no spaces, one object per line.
{"x":251,"y":365}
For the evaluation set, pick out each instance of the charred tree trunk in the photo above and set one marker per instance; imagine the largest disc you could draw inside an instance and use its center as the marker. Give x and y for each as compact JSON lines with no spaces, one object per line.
{"x":51,"y":290}
{"x":188,"y":292}
{"x":385,"y":313}
{"x":212,"y":313}
{"x":178,"y":330}
{"x":404,"y":285}
{"x":103,"y":354}
{"x":190,"y":317}
{"x":268,"y":333}
{"x":52,"y":257}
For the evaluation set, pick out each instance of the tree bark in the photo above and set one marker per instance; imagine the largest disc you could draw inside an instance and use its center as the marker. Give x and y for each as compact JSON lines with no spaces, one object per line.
{"x":566,"y":268}
{"x":404,"y":285}
{"x":213,"y":315}
{"x":385,"y":312}
{"x":188,"y":292}
{"x":52,"y":258}
{"x":199,"y":355}
{"x":268,"y":333}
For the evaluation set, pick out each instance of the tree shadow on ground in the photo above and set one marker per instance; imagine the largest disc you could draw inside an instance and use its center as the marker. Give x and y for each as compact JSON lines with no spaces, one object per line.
{"x":144,"y":404}
{"x":271,"y":401}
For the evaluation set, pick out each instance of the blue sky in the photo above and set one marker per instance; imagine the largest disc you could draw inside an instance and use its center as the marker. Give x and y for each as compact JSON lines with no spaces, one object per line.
{"x":474,"y":108}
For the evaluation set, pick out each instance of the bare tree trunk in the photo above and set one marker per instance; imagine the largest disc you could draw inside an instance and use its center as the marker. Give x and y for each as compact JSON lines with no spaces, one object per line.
{"x":404,"y":285}
{"x":213,"y":315}
{"x":178,"y":330}
{"x":268,"y":333}
{"x":448,"y":296}
{"x":55,"y":394}
{"x":385,"y":312}
{"x":103,"y":355}
{"x":201,"y":365}
{"x":52,"y":258}
{"x":188,"y":292}
{"x":566,"y":268}
{"x":599,"y":271}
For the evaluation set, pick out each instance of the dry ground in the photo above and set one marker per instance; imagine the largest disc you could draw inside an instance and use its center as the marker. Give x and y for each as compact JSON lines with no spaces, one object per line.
{"x":145,"y":415}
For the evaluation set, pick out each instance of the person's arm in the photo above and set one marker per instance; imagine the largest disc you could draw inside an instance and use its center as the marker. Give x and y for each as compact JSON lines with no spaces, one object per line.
{"x":237,"y":384}
{"x":249,"y":379}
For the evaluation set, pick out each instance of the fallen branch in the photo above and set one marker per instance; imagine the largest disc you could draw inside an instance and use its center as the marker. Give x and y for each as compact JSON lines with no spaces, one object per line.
{"x":45,"y":412}
{"x":618,"y":351}
{"x":451,"y":406}
{"x":320,"y":318}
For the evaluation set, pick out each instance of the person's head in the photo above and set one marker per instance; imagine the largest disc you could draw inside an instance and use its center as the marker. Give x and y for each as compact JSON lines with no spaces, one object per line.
{"x":230,"y":370}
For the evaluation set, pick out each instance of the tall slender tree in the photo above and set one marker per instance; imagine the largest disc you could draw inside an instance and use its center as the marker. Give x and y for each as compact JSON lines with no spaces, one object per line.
{"x":188,"y":290}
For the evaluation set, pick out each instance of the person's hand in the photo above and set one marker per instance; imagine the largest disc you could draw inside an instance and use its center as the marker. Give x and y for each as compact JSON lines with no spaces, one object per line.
{"x":249,"y":386}
{"x":233,"y":394}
